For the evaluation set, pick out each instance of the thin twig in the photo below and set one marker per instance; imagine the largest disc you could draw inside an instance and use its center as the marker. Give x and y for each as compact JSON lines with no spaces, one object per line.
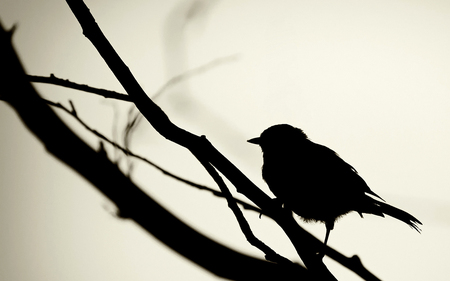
{"x":352,"y":263}
{"x":106,"y":177}
{"x":127,"y":152}
{"x":52,"y":79}
{"x":301,"y":240}
{"x":173,"y":81}
{"x":270,"y":254}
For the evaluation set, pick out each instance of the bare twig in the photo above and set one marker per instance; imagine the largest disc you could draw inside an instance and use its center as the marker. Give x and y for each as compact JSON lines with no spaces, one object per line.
{"x":173,"y":81}
{"x":161,"y":122}
{"x":127,"y":152}
{"x":195,"y":71}
{"x":270,"y":254}
{"x":305,"y":246}
{"x":104,"y":175}
{"x":52,"y":79}
{"x":353,"y":263}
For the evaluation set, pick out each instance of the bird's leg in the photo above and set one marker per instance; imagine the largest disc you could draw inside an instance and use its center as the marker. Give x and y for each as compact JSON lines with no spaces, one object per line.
{"x":329,"y":226}
{"x":275,"y":203}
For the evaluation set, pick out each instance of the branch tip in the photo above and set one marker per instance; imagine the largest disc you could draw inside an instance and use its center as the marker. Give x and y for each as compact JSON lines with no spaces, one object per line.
{"x":73,"y":111}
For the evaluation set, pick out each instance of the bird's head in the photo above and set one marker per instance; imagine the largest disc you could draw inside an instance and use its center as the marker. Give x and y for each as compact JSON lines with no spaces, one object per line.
{"x":278,"y":136}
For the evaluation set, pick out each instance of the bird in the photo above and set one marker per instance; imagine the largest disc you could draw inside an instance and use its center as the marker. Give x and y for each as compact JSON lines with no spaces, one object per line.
{"x":315,"y":183}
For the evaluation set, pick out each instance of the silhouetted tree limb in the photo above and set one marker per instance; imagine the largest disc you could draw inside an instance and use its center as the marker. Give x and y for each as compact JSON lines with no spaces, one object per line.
{"x":245,"y":227}
{"x":270,"y":254}
{"x":132,"y":202}
{"x":128,"y":152}
{"x":173,"y":133}
{"x":353,"y":263}
{"x":133,"y":120}
{"x":52,"y":79}
{"x":160,"y":121}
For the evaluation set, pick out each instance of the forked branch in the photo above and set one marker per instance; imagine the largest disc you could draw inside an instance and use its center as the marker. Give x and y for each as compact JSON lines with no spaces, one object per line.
{"x":132,"y":202}
{"x":160,"y":121}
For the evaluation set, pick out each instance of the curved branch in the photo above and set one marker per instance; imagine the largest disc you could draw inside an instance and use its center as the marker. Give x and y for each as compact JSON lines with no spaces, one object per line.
{"x":270,"y":254}
{"x":52,"y":79}
{"x":132,"y":154}
{"x":160,"y":121}
{"x":304,"y":245}
{"x":132,"y":202}
{"x":353,"y":263}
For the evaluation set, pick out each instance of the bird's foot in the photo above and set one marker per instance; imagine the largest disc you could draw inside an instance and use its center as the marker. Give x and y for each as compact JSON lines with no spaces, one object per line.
{"x":321,"y":253}
{"x":275,"y":204}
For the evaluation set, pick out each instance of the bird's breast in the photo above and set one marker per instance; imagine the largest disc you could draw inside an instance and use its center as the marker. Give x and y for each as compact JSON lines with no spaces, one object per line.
{"x":303,"y":186}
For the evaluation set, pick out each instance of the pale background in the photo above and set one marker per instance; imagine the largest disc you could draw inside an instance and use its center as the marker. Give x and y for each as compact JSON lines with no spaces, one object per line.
{"x":369,"y":79}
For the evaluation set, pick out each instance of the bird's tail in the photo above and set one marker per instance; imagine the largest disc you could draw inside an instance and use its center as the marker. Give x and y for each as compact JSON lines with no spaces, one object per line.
{"x":400,"y":215}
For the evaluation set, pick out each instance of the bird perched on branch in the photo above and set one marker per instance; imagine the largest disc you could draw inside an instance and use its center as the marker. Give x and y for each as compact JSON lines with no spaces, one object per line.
{"x":314,"y":182}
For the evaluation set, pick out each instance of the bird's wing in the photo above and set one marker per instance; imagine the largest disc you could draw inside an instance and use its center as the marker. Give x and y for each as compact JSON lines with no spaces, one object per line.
{"x":335,"y":165}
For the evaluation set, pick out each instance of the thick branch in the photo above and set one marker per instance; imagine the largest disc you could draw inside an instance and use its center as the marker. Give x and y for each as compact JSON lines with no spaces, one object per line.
{"x":159,"y":120}
{"x":353,"y":263}
{"x":150,"y":110}
{"x":162,"y":124}
{"x":128,"y":152}
{"x":132,"y":202}
{"x":270,"y":254}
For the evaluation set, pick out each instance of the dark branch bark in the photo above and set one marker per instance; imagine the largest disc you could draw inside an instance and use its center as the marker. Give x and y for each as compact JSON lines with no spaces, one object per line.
{"x":270,"y":254}
{"x":160,"y":121}
{"x":52,"y":79}
{"x":302,"y":241}
{"x":132,"y":202}
{"x":304,"y":245}
{"x":353,"y":263}
{"x":132,"y":154}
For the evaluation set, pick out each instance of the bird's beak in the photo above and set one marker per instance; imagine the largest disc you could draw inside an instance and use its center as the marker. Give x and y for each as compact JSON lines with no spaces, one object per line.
{"x":254,"y":141}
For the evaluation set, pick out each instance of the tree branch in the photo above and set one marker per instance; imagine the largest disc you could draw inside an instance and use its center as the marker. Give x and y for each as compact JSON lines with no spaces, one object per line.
{"x":52,"y":79}
{"x":270,"y":254}
{"x":132,"y":202}
{"x":160,"y":121}
{"x":128,"y":152}
{"x":353,"y":263}
{"x":163,"y":125}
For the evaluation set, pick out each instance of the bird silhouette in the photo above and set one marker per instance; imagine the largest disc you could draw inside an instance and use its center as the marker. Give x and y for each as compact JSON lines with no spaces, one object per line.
{"x":314,"y":182}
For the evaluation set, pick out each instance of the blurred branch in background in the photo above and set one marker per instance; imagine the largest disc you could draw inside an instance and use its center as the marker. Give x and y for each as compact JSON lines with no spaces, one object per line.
{"x":127,"y":152}
{"x":135,"y":117}
{"x":185,"y":18}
